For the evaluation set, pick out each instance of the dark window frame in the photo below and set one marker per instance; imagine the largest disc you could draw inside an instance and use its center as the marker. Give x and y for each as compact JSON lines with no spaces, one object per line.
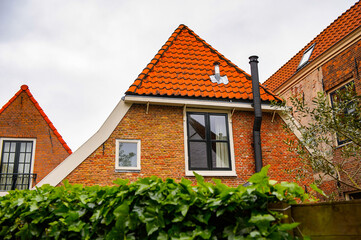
{"x":331,"y":94}
{"x":209,"y":141}
{"x":10,"y":179}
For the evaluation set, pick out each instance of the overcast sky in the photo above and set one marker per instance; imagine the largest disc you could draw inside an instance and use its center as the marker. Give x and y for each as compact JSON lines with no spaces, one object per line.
{"x":79,"y":57}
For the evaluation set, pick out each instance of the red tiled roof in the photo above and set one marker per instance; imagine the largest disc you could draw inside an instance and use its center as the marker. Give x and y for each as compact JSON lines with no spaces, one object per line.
{"x":340,"y":28}
{"x":25,"y":88}
{"x":182,"y":68}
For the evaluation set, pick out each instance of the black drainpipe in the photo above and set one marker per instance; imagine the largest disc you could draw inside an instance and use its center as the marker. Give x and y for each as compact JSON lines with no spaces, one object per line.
{"x":257,"y":113}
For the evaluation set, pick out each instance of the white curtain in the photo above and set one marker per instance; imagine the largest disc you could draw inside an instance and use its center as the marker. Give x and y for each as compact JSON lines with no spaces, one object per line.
{"x":221,"y":147}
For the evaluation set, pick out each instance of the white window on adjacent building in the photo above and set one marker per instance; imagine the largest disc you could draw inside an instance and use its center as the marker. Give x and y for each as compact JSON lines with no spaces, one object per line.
{"x":17,"y":160}
{"x":209,"y":143}
{"x":127,"y":155}
{"x":306,"y":56}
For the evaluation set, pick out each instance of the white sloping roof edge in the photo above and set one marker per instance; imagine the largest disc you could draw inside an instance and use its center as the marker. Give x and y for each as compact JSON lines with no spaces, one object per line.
{"x":74,"y":160}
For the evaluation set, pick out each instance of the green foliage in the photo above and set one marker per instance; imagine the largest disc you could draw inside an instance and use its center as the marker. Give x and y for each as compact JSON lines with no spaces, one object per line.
{"x":321,"y":125}
{"x":150,"y":209}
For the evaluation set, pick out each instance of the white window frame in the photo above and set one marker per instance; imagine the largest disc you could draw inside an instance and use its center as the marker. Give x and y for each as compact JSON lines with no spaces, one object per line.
{"x":117,"y":167}
{"x":214,"y":173}
{"x":2,"y":193}
{"x":306,"y":56}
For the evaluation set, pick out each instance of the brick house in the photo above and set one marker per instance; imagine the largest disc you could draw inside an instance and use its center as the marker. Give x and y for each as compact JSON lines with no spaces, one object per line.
{"x":30,"y":145}
{"x":189,"y":110}
{"x":327,"y":63}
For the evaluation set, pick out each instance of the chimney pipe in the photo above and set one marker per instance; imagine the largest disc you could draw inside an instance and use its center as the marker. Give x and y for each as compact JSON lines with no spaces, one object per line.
{"x":253,"y":61}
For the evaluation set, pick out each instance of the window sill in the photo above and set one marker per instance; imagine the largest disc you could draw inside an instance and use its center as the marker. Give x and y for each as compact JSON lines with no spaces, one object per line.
{"x":127,"y":170}
{"x":212,"y":173}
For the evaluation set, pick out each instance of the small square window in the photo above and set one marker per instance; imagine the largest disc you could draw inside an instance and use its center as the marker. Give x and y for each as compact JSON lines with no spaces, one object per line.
{"x":306,"y":56}
{"x":127,"y":155}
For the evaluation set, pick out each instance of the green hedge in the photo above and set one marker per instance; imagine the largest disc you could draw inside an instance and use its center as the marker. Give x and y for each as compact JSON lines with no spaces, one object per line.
{"x":149,"y":209}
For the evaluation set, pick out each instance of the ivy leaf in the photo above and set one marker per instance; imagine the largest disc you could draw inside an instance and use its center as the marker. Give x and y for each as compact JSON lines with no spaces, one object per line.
{"x":314,"y":187}
{"x":288,"y":226}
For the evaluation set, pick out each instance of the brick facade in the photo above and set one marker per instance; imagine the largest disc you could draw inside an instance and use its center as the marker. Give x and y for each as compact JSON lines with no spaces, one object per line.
{"x":343,"y":67}
{"x":162,"y":148}
{"x":22,"y":119}
{"x":340,"y":69}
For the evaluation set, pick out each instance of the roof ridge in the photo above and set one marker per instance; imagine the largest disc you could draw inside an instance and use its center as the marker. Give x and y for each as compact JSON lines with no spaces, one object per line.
{"x":25,"y":88}
{"x":216,"y":52}
{"x":182,"y":57}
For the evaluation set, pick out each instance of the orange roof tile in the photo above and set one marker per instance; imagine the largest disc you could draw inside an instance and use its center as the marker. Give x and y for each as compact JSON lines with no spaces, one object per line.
{"x":182,"y":68}
{"x":336,"y":31}
{"x":25,"y":88}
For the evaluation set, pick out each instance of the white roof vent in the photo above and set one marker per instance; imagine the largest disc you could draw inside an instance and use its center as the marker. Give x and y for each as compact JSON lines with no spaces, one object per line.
{"x":217,"y":78}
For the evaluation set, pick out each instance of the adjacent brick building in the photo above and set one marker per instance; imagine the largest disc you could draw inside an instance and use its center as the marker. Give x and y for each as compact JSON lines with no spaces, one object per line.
{"x":327,"y":63}
{"x":30,"y":145}
{"x":189,"y":110}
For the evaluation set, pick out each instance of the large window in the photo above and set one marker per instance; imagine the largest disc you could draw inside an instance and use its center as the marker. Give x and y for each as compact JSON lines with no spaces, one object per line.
{"x":208,"y":141}
{"x":16,"y":163}
{"x":127,"y":155}
{"x":336,"y":98}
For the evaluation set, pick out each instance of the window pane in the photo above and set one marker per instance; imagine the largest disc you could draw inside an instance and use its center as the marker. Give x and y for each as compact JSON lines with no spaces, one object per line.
{"x":196,"y":126}
{"x":13,"y":147}
{"x":4,"y":168}
{"x":21,"y":157}
{"x":22,"y":147}
{"x":5,"y":157}
{"x":29,"y":147}
{"x":218,"y":127}
{"x":198,"y":155}
{"x":10,"y":168}
{"x":127,"y":154}
{"x":28,"y":158}
{"x":27,"y":168}
{"x":21,"y":168}
{"x":6,"y":147}
{"x":220,"y":155}
{"x":12,"y":157}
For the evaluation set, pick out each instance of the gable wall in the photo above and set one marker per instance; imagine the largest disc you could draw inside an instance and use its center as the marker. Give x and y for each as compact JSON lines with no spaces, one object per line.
{"x":335,"y":72}
{"x":21,"y":119}
{"x":162,"y":148}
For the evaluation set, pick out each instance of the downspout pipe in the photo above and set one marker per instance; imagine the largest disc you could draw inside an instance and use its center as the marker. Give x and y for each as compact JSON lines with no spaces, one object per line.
{"x":257,"y":113}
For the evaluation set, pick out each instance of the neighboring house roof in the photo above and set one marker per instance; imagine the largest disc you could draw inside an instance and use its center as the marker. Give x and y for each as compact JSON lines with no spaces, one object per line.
{"x":183,"y":66}
{"x":25,"y":88}
{"x":336,"y":31}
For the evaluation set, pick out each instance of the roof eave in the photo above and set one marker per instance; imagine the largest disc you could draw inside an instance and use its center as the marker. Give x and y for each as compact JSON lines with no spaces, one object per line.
{"x":199,"y":103}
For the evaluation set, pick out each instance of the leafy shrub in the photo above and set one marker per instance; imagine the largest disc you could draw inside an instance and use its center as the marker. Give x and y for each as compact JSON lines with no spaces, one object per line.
{"x":149,"y":209}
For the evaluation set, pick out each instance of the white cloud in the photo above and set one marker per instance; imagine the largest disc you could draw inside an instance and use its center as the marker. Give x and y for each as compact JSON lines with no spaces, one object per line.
{"x":79,"y":57}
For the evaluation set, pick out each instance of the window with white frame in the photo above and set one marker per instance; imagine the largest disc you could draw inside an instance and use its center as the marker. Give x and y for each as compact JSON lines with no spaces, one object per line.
{"x":16,"y":164}
{"x":306,"y":56}
{"x":209,"y":145}
{"x":127,"y":155}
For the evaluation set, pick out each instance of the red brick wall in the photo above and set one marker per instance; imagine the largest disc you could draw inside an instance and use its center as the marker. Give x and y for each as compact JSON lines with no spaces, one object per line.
{"x":340,"y":69}
{"x":162,"y":148}
{"x":343,"y":67}
{"x":21,"y":119}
